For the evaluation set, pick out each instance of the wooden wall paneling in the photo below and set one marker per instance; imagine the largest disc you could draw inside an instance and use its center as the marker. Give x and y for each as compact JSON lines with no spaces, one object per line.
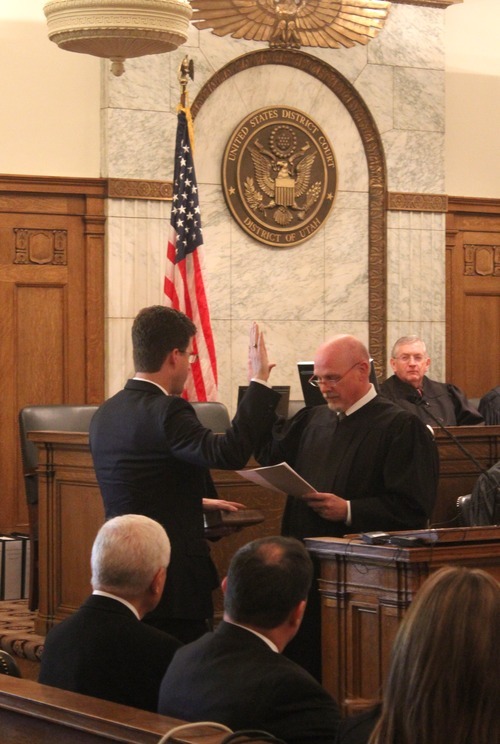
{"x":473,"y":294}
{"x":52,"y":298}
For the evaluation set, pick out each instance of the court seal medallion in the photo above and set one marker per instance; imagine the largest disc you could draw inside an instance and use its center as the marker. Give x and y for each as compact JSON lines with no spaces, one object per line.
{"x":279,"y":176}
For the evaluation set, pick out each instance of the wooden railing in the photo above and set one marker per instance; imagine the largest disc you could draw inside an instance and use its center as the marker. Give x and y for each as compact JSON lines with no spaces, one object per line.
{"x":32,"y":713}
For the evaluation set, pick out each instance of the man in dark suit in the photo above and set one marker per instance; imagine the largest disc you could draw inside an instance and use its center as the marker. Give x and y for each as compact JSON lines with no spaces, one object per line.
{"x":152,"y":456}
{"x":237,"y":676}
{"x":104,"y":649}
{"x":410,"y":388}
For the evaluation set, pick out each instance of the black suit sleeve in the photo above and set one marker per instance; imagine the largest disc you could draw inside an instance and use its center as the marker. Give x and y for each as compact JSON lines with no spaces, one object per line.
{"x":189,"y":441}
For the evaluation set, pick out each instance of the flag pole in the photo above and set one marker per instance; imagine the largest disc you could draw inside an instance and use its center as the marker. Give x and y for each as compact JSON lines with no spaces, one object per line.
{"x":183,"y":285}
{"x":184,"y":74}
{"x":186,"y":71}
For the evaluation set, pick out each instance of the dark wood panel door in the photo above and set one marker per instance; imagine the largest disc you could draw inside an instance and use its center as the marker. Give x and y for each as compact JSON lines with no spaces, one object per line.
{"x":52,"y":319}
{"x":473,"y":295}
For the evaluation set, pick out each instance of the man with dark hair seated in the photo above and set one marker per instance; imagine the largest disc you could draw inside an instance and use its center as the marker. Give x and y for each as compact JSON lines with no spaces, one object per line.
{"x":104,"y":649}
{"x":237,"y":676}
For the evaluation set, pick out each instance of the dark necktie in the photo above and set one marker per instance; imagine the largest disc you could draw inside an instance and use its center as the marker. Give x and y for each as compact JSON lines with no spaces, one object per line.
{"x":340,"y":416}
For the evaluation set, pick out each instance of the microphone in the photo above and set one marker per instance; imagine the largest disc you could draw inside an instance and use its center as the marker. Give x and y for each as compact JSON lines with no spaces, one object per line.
{"x":418,"y":400}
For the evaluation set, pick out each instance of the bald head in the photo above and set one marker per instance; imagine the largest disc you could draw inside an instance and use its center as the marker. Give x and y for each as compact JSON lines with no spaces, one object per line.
{"x":342,"y":365}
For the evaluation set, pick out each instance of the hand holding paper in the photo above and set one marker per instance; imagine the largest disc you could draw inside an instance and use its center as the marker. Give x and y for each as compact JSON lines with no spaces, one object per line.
{"x":280,"y":478}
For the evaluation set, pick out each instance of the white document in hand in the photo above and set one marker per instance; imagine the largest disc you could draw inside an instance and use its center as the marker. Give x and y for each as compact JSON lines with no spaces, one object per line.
{"x":280,"y":478}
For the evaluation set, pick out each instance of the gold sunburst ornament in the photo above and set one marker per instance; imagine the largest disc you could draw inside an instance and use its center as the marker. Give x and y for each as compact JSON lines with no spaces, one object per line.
{"x":291,"y":24}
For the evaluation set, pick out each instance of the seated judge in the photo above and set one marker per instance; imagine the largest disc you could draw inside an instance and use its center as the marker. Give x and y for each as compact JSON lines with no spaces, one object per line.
{"x":237,"y":675}
{"x":410,"y":388}
{"x":104,"y":649}
{"x":489,"y":406}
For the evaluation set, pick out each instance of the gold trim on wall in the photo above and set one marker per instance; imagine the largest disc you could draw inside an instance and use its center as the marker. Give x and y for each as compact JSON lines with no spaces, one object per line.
{"x":131,"y":188}
{"x":405,"y":202}
{"x":377,"y":173}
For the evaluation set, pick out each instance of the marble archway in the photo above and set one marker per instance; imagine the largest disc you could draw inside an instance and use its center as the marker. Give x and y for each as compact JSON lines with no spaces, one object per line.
{"x":375,"y":161}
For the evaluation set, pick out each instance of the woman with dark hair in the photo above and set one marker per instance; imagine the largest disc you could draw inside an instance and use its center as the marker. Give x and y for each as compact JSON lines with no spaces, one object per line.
{"x":444,"y":681}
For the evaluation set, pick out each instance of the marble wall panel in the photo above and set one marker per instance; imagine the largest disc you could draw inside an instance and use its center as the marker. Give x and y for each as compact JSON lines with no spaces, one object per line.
{"x":418,"y":99}
{"x":135,"y":90}
{"x":413,"y":36}
{"x":138,"y":144}
{"x":303,"y":294}
{"x":415,"y":161}
{"x":376,"y":86}
{"x":416,"y":281}
{"x":278,"y":283}
{"x":288,"y":342}
{"x":222,"y":332}
{"x":118,"y":356}
{"x":346,"y":264}
{"x":217,"y":250}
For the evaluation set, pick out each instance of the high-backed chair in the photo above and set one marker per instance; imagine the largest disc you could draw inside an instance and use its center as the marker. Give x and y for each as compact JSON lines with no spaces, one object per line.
{"x":44,"y":418}
{"x":213,"y":416}
{"x":463,"y":509}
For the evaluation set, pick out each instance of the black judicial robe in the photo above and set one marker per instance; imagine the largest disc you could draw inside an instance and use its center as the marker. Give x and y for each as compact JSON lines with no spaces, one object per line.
{"x":381,"y":458}
{"x":445,"y":401}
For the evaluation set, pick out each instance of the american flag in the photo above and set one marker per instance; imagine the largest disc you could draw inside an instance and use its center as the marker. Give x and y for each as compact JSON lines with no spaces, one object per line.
{"x":184,"y":288}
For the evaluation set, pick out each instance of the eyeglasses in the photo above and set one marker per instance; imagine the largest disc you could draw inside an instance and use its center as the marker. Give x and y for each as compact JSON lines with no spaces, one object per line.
{"x":408,"y":357}
{"x":191,"y":357}
{"x":332,"y":380}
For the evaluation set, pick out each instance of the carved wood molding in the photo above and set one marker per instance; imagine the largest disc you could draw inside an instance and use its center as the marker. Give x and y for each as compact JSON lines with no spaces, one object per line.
{"x":481,"y":260}
{"x":131,"y":188}
{"x":377,"y":172}
{"x":406,"y":202}
{"x":42,"y":247}
{"x":473,"y":205}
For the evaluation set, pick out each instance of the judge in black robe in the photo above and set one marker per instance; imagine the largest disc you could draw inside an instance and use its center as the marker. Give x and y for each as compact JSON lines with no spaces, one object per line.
{"x":435,"y":403}
{"x":434,"y":400}
{"x":378,"y":460}
{"x":381,"y":459}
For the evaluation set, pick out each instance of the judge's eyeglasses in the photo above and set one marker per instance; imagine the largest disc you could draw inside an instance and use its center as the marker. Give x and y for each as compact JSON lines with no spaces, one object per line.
{"x":332,"y":380}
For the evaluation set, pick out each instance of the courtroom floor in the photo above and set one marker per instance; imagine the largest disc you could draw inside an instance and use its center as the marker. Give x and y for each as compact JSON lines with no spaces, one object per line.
{"x":18,"y":637}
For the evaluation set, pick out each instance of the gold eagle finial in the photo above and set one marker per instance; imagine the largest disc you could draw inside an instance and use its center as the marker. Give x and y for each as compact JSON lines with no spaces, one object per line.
{"x":290,"y":24}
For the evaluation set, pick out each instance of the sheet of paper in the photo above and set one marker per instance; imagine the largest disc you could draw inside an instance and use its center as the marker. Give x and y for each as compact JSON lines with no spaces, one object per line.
{"x":280,"y":478}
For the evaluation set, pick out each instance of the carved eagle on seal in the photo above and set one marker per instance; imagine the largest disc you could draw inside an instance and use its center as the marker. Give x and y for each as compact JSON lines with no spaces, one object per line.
{"x":283,"y":180}
{"x":290,"y":24}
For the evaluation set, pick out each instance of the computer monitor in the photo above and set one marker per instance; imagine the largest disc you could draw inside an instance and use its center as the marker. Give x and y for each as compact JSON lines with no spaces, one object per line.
{"x":312,"y":395}
{"x":283,"y":390}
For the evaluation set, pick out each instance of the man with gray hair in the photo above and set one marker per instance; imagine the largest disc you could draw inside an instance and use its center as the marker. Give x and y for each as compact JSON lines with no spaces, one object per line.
{"x":104,"y":649}
{"x":410,"y":388}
